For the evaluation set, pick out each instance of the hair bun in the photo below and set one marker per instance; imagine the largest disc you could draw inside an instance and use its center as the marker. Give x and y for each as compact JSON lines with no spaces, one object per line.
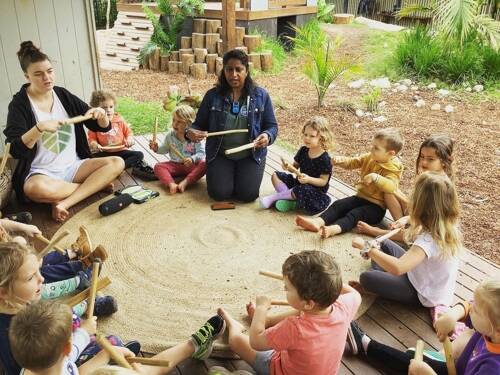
{"x":27,"y":47}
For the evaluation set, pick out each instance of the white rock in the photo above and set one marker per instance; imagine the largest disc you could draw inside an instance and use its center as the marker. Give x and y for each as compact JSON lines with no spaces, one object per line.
{"x":416,"y":98}
{"x":468,"y":89}
{"x":402,"y":88}
{"x":383,"y":83}
{"x":442,"y":93}
{"x":360,"y":113}
{"x":356,"y":125}
{"x":449,"y":108}
{"x":394,"y":90}
{"x":413,"y":88}
{"x":380,"y":119}
{"x":368,"y":114}
{"x":478,"y":88}
{"x":382,"y":104}
{"x":420,"y":103}
{"x":356,"y":84}
{"x":431,"y":85}
{"x":406,"y":82}
{"x":436,"y":107}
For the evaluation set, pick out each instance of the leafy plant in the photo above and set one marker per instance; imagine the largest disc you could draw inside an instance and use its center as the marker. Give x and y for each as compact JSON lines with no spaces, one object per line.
{"x":325,"y":11}
{"x":274,"y":46}
{"x":372,"y":99}
{"x":308,"y":37}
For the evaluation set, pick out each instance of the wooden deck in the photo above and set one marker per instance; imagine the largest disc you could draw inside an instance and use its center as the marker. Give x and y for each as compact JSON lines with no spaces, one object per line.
{"x":388,"y":322}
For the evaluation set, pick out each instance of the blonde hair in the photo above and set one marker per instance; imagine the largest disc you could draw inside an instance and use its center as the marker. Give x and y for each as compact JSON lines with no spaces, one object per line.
{"x":320,"y":124}
{"x":489,"y":295}
{"x":113,"y":370}
{"x":434,"y":208}
{"x":39,"y":333}
{"x":442,"y":144}
{"x":392,"y":138}
{"x":99,"y":96}
{"x":12,"y":257}
{"x":185,"y":113}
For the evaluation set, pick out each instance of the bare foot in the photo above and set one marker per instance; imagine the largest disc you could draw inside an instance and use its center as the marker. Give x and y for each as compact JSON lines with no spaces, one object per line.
{"x":172,"y":187}
{"x":250,"y":310}
{"x":311,"y":224}
{"x":59,"y":213}
{"x":109,"y":188}
{"x":181,"y":187}
{"x":357,"y":285}
{"x":329,"y":231}
{"x":364,"y":228}
{"x":232,"y":324}
{"x":358,"y":243}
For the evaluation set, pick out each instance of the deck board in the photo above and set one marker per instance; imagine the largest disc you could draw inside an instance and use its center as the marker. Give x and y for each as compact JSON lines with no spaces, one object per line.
{"x":386,"y":321}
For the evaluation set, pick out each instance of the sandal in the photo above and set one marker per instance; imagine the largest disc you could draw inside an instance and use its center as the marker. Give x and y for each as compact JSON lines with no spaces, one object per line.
{"x":99,"y":254}
{"x":82,"y":246}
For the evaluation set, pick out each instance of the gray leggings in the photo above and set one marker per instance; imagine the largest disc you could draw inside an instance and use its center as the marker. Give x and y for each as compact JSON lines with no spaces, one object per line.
{"x":396,"y":288}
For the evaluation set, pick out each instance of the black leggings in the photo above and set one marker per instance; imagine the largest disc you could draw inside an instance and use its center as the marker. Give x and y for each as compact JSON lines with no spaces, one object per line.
{"x":131,"y":158}
{"x":398,"y":360}
{"x":348,"y":211}
{"x":234,"y":179}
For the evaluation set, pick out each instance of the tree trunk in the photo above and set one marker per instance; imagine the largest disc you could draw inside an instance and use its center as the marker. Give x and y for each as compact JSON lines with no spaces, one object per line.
{"x":211,"y":26}
{"x":185,"y":42}
{"x":255,"y":59}
{"x":198,"y":40}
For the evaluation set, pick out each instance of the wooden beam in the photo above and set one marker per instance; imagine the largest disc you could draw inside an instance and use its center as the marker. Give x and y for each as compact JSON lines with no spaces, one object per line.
{"x":228,"y":25}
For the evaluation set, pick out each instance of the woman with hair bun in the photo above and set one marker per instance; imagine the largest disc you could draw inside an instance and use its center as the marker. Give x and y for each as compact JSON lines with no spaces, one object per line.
{"x":54,"y":164}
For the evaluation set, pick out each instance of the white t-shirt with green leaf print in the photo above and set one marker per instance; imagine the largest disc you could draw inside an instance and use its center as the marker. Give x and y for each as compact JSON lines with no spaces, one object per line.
{"x":55,"y":151}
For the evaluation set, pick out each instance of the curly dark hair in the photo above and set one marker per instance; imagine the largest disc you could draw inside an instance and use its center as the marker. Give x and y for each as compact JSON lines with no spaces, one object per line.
{"x":222,"y":85}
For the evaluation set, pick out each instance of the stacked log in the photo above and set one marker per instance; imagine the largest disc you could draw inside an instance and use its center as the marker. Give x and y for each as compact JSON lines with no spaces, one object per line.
{"x":240,"y":34}
{"x":199,"y":70}
{"x":211,"y":26}
{"x":198,"y":40}
{"x":199,"y":25}
{"x":211,"y":57}
{"x":174,"y":67}
{"x":266,"y":61}
{"x":164,"y":63}
{"x":211,"y":42}
{"x":187,"y":60}
{"x":200,"y":54}
{"x":254,"y":58}
{"x":185,"y":42}
{"x":252,"y":42}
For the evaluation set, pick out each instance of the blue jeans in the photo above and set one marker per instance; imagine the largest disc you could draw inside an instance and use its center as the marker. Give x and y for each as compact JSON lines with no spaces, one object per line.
{"x":57,"y":267}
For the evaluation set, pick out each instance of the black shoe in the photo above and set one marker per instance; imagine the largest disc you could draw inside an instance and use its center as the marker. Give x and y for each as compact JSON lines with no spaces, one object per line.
{"x":21,"y":217}
{"x":105,"y":306}
{"x":84,"y":280}
{"x":354,"y":336}
{"x":134,"y":347}
{"x":144,"y":171}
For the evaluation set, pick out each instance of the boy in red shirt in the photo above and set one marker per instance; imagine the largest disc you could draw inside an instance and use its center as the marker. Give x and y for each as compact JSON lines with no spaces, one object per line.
{"x":309,"y":339}
{"x":119,"y":139}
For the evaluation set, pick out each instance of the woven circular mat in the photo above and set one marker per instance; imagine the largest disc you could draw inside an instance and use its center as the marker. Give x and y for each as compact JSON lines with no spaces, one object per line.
{"x":173,"y":261}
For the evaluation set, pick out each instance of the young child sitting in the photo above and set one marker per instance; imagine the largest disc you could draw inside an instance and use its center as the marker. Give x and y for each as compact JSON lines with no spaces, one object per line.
{"x":381,"y":171}
{"x":309,"y":339}
{"x":187,"y":159}
{"x":476,"y":351}
{"x":435,"y":155}
{"x":119,"y":139}
{"x":307,"y":191}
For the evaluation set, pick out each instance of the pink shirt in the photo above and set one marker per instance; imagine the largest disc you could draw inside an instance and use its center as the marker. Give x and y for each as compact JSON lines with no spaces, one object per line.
{"x":312,"y":344}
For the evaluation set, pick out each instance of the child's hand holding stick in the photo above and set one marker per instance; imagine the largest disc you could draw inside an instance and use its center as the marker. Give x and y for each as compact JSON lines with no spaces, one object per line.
{"x":177,"y":152}
{"x":93,"y":289}
{"x":52,"y":243}
{"x":113,"y":353}
{"x":290,"y":168}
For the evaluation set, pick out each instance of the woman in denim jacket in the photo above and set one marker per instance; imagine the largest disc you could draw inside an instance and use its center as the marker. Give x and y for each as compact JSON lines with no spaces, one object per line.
{"x":235,"y":103}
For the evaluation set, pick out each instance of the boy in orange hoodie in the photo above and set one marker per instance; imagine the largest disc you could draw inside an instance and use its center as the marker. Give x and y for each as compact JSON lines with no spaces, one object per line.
{"x":381,"y":171}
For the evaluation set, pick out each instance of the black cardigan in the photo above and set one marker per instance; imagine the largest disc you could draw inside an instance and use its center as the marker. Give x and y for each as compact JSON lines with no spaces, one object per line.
{"x":21,"y":118}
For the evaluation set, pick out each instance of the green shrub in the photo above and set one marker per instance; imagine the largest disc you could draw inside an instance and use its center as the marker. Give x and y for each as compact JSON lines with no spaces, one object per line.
{"x":325,"y":12}
{"x":100,"y":8}
{"x":461,"y":63}
{"x":491,"y":64}
{"x":372,"y":100}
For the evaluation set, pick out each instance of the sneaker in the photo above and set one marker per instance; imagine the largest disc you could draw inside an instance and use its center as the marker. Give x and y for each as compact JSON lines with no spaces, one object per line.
{"x":203,"y":338}
{"x":283,"y":205}
{"x":105,"y":306}
{"x":134,"y":347}
{"x":144,"y":172}
{"x":429,"y":354}
{"x":21,"y":217}
{"x":354,"y":336}
{"x":83,"y":245}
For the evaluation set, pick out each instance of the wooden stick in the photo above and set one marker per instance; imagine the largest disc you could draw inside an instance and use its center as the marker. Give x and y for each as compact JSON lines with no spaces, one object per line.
{"x":213,"y":134}
{"x":52,"y":243}
{"x":5,"y":157}
{"x":155,"y":129}
{"x":419,"y":351}
{"x":93,"y":288}
{"x":290,"y":167}
{"x":387,"y":235}
{"x":279,"y":303}
{"x":238,"y":149}
{"x":115,"y":355}
{"x":47,"y":241}
{"x":82,"y":296}
{"x":272,"y":275}
{"x":148,"y":361}
{"x":177,"y":152}
{"x":111,"y":148}
{"x":448,"y":353}
{"x":76,"y":120}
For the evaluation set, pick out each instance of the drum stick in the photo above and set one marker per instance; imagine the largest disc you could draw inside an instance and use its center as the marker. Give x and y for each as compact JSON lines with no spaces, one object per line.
{"x":448,"y":353}
{"x":177,"y":152}
{"x":116,"y":356}
{"x":290,"y":167}
{"x":387,"y":235}
{"x":82,"y":296}
{"x":272,"y":275}
{"x":419,"y":351}
{"x":279,"y":303}
{"x":155,"y":129}
{"x":47,"y":241}
{"x":111,"y":148}
{"x":148,"y":361}
{"x":238,"y":149}
{"x":52,"y":243}
{"x":76,"y":120}
{"x":213,"y":134}
{"x":93,"y":288}
{"x":5,"y":157}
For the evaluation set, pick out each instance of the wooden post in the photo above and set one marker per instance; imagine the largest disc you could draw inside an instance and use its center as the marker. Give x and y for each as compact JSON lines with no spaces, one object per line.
{"x":200,"y":54}
{"x":164,"y":63}
{"x":183,"y":51}
{"x":228,"y":25}
{"x":156,"y":60}
{"x":218,"y":65}
{"x":199,"y":25}
{"x":145,"y":62}
{"x":198,"y":40}
{"x":211,"y":42}
{"x":187,"y":60}
{"x":220,"y":48}
{"x":174,"y":56}
{"x":211,"y":62}
{"x":252,"y":42}
{"x":174,"y":67}
{"x":240,"y":34}
{"x":211,"y":26}
{"x":255,"y":59}
{"x":199,"y":71}
{"x":185,"y":42}
{"x":219,"y":30}
{"x":266,"y":61}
